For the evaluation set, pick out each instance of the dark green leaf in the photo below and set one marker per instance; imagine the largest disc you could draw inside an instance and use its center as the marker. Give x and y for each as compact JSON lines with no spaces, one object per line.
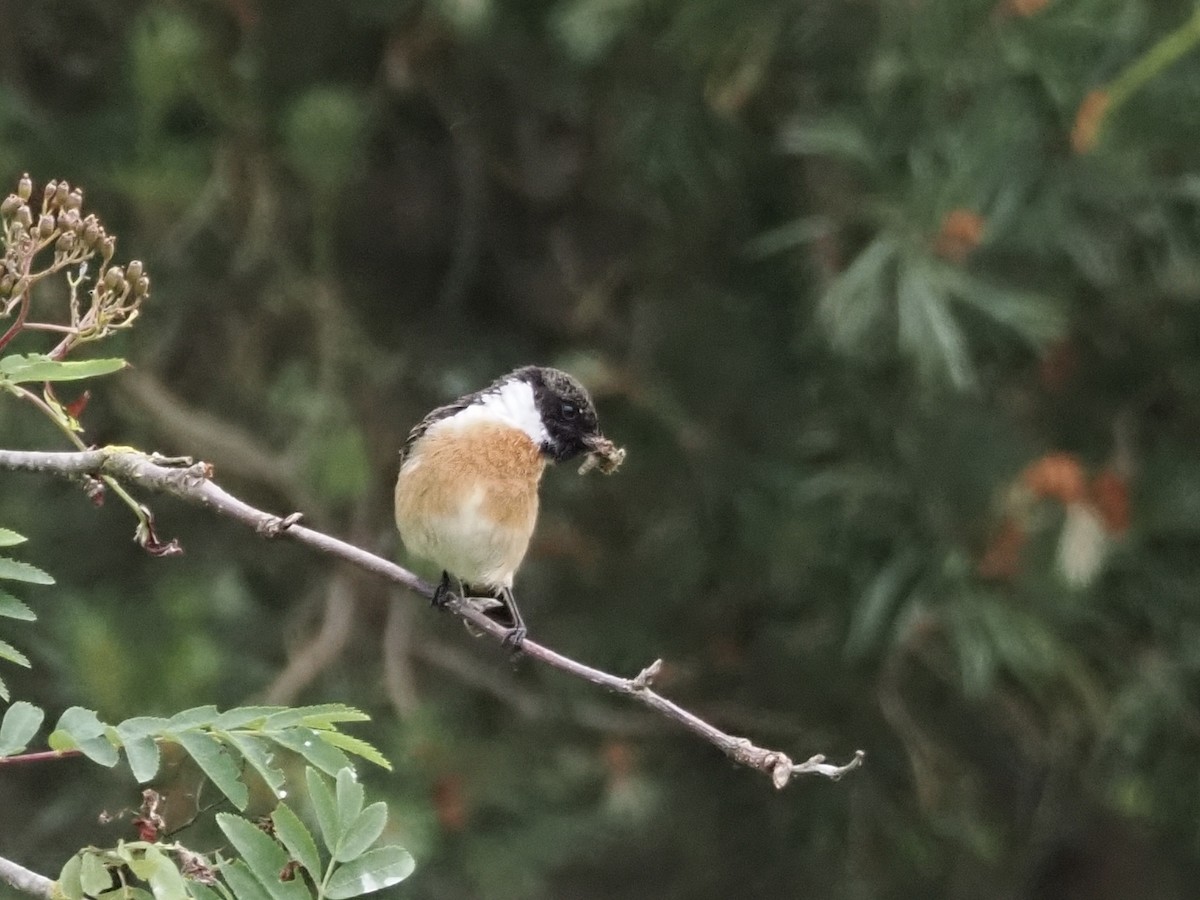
{"x":68,"y":878}
{"x":928,"y":332}
{"x":373,"y":871}
{"x":829,"y":137}
{"x":217,"y":764}
{"x":143,"y":757}
{"x":203,"y":891}
{"x":12,"y":608}
{"x":80,"y":729}
{"x":308,"y":744}
{"x":13,"y":655}
{"x":298,"y":840}
{"x":127,"y":892}
{"x":38,"y":367}
{"x":789,"y":236}
{"x":143,"y":726}
{"x":244,"y":716}
{"x":196,"y":717}
{"x":324,"y":807}
{"x":94,"y":876}
{"x":1035,"y":318}
{"x":244,"y":885}
{"x":322,"y":716}
{"x":16,"y":570}
{"x":21,"y":722}
{"x":874,"y":612}
{"x":165,"y":880}
{"x":9,"y":538}
{"x":327,"y":714}
{"x":855,"y":301}
{"x":254,"y":749}
{"x":363,"y":832}
{"x":357,"y":746}
{"x":263,"y":855}
{"x":349,"y":800}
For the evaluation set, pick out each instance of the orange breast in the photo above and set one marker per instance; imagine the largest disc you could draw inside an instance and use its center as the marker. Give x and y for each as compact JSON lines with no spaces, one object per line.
{"x":467,"y":499}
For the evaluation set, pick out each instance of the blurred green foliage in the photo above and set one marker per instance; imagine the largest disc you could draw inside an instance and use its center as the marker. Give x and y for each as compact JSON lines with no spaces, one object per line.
{"x":894,"y":307}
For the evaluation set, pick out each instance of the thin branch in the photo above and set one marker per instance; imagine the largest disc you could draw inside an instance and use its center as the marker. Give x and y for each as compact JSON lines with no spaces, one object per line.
{"x":38,"y":756}
{"x":235,"y":450}
{"x":194,"y":483}
{"x":21,"y":878}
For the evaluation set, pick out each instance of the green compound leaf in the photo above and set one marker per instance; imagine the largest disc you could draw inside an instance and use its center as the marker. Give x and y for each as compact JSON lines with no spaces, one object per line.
{"x":21,"y":722}
{"x":80,"y":729}
{"x":350,"y":796}
{"x":321,"y":716}
{"x":373,"y":871}
{"x":312,"y":746}
{"x":13,"y":655}
{"x":297,"y":839}
{"x":94,"y":876}
{"x":12,"y":608}
{"x":39,"y":367}
{"x":9,"y":538}
{"x":68,"y":878}
{"x":243,"y":884}
{"x":256,"y":752}
{"x":15,"y":570}
{"x":264,"y":857}
{"x":362,"y":833}
{"x":357,"y":746}
{"x":217,"y":764}
{"x":196,"y":717}
{"x":324,"y":807}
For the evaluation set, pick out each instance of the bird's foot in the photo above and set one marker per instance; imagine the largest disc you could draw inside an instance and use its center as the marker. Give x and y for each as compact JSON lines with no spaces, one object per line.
{"x":513,"y":639}
{"x":441,"y":594}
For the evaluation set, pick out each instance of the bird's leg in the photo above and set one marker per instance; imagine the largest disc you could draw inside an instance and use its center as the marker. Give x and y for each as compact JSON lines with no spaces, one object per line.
{"x":515,"y":636}
{"x":441,"y":591}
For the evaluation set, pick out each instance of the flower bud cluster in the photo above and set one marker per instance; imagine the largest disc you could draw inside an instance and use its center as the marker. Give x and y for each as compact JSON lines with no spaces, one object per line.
{"x":62,"y":230}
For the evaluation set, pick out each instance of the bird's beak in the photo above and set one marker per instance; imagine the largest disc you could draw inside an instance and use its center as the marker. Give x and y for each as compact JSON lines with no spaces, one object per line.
{"x":602,"y":454}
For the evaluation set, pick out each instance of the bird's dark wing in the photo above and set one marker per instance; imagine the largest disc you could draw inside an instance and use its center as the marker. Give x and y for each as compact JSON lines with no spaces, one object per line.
{"x":445,"y":412}
{"x":442,"y":412}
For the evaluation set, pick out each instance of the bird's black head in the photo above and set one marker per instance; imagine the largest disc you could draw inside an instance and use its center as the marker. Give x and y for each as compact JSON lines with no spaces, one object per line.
{"x":566,"y":411}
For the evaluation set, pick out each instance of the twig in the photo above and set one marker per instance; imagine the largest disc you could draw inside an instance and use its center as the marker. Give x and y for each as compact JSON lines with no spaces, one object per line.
{"x":23,"y":879}
{"x":194,"y":484}
{"x":38,"y":756}
{"x":237,"y":451}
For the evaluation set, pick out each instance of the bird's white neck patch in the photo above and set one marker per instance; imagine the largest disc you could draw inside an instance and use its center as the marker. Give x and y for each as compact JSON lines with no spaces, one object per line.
{"x":511,"y":404}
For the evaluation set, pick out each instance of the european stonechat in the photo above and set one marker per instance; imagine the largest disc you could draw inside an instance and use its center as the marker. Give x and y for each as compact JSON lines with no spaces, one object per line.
{"x":467,"y":495}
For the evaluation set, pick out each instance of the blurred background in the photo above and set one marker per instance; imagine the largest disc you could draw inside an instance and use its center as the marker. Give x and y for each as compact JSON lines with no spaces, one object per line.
{"x":892,"y":302}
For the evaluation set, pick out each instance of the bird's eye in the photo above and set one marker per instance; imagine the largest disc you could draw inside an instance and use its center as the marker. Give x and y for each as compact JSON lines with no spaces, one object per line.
{"x":569,"y":411}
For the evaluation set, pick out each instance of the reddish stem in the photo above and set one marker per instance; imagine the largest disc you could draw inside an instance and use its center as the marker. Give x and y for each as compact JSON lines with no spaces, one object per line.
{"x":40,"y":756}
{"x":15,"y":328}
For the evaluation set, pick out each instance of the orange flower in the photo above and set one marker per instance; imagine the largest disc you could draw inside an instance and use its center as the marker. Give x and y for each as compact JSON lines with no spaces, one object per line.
{"x":1056,"y":475}
{"x":1088,"y":120}
{"x":960,"y":234}
{"x":1110,"y":496}
{"x":1024,"y":8}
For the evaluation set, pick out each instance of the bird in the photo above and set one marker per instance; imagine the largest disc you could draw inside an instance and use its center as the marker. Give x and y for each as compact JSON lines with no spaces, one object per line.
{"x":467,"y":494}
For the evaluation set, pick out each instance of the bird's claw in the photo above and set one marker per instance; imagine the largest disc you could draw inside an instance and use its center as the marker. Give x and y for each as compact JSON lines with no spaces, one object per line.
{"x":441,"y":593}
{"x":514,"y":638}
